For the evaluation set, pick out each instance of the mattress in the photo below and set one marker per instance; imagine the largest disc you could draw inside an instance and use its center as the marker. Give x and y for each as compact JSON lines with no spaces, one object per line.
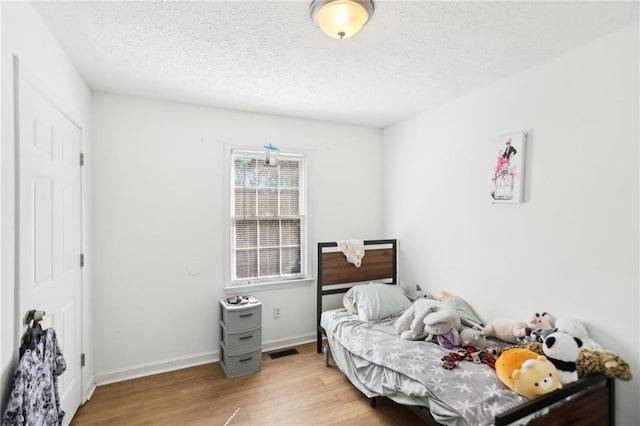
{"x":379,"y":363}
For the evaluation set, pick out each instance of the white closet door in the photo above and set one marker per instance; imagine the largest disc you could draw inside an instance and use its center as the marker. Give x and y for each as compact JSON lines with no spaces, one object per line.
{"x":49,"y":231}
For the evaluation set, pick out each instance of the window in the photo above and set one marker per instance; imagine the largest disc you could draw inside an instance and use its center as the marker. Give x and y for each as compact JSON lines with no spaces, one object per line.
{"x":268,"y":218}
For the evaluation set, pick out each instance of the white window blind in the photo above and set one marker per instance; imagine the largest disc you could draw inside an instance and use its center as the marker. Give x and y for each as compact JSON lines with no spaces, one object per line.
{"x":268,"y":218}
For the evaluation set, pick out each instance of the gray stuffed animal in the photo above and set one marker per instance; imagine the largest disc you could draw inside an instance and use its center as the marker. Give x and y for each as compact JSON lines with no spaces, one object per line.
{"x":473,"y":337}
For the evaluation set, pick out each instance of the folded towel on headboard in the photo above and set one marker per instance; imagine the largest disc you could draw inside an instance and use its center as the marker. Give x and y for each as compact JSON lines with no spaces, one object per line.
{"x":353,"y":251}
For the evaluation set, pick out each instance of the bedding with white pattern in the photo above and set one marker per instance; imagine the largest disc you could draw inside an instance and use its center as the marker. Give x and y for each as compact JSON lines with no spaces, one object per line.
{"x":472,"y":390}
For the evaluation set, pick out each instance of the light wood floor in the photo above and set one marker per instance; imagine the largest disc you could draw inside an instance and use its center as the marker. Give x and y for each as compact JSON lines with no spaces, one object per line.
{"x":292,"y":390}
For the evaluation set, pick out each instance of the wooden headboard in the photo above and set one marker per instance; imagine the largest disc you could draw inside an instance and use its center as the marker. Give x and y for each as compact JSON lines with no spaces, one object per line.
{"x":336,"y":275}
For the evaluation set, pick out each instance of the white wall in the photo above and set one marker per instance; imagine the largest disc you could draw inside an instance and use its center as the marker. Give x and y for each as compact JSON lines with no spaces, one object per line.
{"x":572,"y":247}
{"x":160,"y":194}
{"x":25,"y":35}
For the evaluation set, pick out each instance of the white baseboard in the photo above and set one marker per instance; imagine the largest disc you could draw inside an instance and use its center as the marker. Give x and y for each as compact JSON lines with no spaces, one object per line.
{"x":88,"y":392}
{"x":156,"y":367}
{"x":272,"y":345}
{"x":189,"y":361}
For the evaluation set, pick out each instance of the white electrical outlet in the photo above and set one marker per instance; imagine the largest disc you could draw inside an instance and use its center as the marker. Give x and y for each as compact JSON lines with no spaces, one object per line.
{"x":276,"y":312}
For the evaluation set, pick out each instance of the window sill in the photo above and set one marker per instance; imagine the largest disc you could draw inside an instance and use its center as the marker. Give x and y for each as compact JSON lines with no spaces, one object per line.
{"x":252,"y":288}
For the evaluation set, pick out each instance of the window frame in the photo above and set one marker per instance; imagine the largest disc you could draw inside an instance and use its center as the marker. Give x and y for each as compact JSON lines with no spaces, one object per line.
{"x":232,"y":281}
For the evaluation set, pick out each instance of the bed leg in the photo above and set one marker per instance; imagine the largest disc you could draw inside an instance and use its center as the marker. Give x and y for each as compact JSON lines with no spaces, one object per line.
{"x":612,"y":400}
{"x":325,"y":355}
{"x":373,"y":402}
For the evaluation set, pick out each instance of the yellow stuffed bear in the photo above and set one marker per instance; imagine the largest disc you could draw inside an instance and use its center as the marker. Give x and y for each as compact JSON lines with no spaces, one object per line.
{"x":527,"y":373}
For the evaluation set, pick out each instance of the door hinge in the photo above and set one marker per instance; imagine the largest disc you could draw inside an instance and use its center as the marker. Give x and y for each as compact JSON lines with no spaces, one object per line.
{"x":82,"y":360}
{"x":81,"y":159}
{"x":81,"y":260}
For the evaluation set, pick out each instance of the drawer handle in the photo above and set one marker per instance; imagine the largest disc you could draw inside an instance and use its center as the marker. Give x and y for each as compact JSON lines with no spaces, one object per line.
{"x":246,"y":337}
{"x":246,"y":359}
{"x":246,"y":315}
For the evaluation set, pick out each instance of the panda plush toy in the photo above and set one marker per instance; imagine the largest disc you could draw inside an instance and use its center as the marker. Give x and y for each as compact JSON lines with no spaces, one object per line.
{"x":563,"y":350}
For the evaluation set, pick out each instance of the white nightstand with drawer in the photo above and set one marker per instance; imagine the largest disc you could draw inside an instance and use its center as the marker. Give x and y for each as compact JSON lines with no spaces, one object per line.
{"x":240,"y":337}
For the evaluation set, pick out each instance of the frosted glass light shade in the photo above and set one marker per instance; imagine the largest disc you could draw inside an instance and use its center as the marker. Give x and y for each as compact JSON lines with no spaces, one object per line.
{"x":341,"y":18}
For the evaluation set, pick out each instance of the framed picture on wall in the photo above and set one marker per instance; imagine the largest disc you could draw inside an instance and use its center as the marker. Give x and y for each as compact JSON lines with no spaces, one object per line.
{"x":507,"y":171}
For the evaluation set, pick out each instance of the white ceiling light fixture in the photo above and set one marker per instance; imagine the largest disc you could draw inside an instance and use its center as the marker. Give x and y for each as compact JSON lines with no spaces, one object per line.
{"x":341,"y":18}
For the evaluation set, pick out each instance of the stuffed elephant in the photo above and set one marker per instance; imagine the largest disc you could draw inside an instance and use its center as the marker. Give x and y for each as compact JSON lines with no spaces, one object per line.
{"x":410,"y":325}
{"x":427,"y":318}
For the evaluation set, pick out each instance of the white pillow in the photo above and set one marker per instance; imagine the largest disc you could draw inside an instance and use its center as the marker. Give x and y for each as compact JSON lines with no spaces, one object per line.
{"x":375,"y":301}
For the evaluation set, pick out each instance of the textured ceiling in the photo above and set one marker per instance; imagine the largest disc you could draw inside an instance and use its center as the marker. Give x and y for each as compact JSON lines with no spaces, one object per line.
{"x":267,"y":56}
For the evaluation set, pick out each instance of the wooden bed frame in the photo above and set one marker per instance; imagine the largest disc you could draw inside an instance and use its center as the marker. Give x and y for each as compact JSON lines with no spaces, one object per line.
{"x":592,"y":398}
{"x":336,"y":275}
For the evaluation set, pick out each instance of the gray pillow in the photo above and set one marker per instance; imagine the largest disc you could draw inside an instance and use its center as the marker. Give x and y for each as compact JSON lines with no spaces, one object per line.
{"x":467,"y":315}
{"x":375,"y":301}
{"x":348,"y":304}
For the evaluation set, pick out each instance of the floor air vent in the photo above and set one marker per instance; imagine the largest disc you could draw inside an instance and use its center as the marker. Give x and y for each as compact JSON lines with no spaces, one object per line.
{"x":286,"y":352}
